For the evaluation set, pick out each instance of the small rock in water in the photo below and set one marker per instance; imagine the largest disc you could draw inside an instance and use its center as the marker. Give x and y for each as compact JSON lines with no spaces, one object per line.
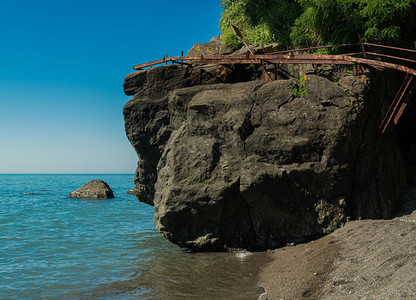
{"x":94,"y":189}
{"x":130,"y":192}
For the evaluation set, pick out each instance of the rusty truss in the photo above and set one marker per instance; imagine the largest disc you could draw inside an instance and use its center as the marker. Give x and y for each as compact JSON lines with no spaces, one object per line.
{"x":296,"y":56}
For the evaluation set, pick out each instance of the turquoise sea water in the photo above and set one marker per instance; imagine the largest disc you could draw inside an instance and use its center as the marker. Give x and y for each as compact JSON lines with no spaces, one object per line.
{"x":52,"y":246}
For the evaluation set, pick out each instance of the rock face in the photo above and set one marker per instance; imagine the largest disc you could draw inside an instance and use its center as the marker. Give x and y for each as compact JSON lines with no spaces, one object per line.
{"x":213,"y":47}
{"x":94,"y":189}
{"x":232,"y":164}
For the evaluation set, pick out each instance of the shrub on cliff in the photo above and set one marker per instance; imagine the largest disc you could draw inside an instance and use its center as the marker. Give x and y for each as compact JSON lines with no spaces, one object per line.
{"x":260,"y":21}
{"x":315,"y":22}
{"x":340,"y":21}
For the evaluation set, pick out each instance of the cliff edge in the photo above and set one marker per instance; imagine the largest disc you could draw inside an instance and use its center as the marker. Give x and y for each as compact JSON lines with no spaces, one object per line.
{"x":231,"y":161}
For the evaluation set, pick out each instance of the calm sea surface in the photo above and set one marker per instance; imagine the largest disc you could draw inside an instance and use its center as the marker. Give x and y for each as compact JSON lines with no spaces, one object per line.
{"x":55,"y":247}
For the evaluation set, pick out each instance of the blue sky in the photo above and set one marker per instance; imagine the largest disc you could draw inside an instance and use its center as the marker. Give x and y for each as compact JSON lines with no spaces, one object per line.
{"x":62,"y":66}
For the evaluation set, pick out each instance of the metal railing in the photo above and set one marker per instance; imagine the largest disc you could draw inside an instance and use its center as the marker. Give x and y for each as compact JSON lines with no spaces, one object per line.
{"x":290,"y":57}
{"x":405,"y":63}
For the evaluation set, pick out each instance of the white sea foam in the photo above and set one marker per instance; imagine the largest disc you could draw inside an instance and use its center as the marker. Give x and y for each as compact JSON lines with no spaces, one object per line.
{"x":243,"y":254}
{"x":263,"y":294}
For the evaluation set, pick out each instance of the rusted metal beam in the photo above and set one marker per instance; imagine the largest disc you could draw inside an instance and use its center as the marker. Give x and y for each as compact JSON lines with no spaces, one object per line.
{"x":226,"y":61}
{"x":238,"y":33}
{"x":390,"y":47}
{"x":394,"y":105}
{"x":283,"y":59}
{"x":351,"y":54}
{"x":362,"y":46}
{"x":155,"y":62}
{"x":375,"y":63}
{"x":393,"y":57}
{"x":271,"y":61}
{"x":264,"y":71}
{"x":404,"y":104}
{"x":262,"y":56}
{"x":302,"y":59}
{"x":299,"y":57}
{"x":310,"y":61}
{"x":309,"y":48}
{"x":315,"y":48}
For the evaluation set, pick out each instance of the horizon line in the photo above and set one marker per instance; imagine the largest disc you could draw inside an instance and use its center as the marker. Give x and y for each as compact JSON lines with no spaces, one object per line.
{"x":67,"y":173}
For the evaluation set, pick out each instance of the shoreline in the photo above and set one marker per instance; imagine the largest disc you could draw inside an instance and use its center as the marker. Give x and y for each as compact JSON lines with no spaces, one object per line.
{"x":300,"y":271}
{"x":361,"y":260}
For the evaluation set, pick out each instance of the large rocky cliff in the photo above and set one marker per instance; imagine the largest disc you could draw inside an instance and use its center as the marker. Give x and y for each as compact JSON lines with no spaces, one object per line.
{"x":231,"y":161}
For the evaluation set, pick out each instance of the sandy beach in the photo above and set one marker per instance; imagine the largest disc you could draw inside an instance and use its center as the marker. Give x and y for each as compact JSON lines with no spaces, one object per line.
{"x":366,"y":259}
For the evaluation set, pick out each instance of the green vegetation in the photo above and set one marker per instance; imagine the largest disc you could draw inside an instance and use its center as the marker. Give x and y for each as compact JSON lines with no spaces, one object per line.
{"x":314,"y":22}
{"x":299,"y":89}
{"x":260,"y":21}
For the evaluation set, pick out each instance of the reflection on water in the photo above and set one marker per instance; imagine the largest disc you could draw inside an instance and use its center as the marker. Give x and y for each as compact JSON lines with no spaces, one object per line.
{"x":180,"y":274}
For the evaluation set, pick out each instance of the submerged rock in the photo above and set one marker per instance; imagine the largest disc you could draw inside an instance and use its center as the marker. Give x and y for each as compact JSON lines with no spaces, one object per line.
{"x":94,"y":189}
{"x":248,"y":165}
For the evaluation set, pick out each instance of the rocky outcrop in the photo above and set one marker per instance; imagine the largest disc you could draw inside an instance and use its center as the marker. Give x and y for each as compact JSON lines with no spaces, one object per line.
{"x":213,"y":47}
{"x":232,"y":162}
{"x":259,"y":49}
{"x":147,"y":118}
{"x":94,"y":189}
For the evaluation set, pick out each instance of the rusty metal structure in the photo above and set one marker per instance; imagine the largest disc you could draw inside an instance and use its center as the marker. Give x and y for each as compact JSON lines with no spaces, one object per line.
{"x":295,"y":56}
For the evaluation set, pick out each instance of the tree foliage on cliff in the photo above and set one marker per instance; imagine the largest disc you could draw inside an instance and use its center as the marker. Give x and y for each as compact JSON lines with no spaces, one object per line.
{"x":260,"y":21}
{"x":315,"y":22}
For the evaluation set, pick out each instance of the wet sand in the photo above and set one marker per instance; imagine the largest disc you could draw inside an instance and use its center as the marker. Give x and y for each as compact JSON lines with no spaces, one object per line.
{"x":299,"y":272}
{"x":190,"y":275}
